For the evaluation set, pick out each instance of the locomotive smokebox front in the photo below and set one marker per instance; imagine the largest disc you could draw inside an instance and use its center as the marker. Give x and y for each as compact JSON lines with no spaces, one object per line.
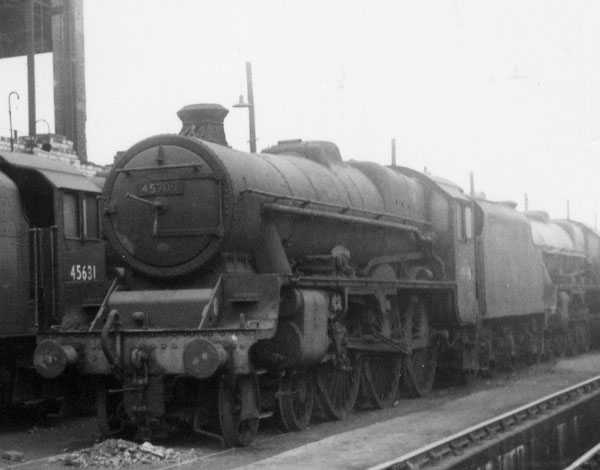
{"x":168,"y":201}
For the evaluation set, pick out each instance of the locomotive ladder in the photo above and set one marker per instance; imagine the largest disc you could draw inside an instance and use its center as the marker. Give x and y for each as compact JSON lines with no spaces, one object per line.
{"x":454,"y":451}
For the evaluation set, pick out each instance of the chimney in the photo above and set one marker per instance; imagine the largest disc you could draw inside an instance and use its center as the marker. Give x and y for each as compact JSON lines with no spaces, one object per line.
{"x":204,"y":121}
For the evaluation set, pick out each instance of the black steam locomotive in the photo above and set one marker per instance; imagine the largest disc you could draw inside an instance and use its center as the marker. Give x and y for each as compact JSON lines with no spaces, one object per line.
{"x":279,"y":282}
{"x":52,"y":269}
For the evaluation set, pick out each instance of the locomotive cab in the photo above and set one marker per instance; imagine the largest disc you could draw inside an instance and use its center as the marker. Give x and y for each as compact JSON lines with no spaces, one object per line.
{"x":464,"y":226}
{"x":45,"y":233}
{"x":67,"y":256}
{"x":457,"y":222}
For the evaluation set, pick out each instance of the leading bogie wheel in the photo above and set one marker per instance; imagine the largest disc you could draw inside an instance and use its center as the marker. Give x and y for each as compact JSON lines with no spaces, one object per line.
{"x":295,"y":399}
{"x":236,"y":429}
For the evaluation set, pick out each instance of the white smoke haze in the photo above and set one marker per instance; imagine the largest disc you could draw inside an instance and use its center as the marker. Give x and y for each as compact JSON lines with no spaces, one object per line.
{"x":509,"y":90}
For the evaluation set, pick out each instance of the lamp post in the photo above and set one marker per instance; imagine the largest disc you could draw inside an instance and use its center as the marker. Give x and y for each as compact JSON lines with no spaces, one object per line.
{"x":250,"y":106}
{"x":10,"y":95}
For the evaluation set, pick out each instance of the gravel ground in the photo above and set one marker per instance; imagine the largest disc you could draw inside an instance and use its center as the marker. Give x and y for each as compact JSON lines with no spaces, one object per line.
{"x":365,"y":438}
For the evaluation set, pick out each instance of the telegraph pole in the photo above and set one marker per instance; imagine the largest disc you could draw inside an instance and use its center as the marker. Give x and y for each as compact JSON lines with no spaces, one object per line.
{"x":252,"y":122}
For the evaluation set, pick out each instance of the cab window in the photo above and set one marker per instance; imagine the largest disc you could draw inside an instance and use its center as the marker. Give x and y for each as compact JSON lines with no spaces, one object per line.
{"x":464,"y":222}
{"x":459,"y":222}
{"x":468,"y":222}
{"x":71,"y":215}
{"x":90,"y":219}
{"x":439,"y":212}
{"x":81,"y":215}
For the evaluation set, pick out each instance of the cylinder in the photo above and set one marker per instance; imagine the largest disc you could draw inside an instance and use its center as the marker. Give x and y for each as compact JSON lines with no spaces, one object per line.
{"x":301,"y":338}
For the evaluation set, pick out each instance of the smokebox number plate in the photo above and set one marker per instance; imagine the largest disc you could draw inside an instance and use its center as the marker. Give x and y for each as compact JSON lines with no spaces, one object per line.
{"x":160,"y":188}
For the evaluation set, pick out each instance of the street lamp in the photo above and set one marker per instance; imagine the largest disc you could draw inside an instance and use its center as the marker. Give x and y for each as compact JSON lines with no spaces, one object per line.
{"x":12,"y":145}
{"x":46,"y":146}
{"x":250,"y":106}
{"x":47,"y":125}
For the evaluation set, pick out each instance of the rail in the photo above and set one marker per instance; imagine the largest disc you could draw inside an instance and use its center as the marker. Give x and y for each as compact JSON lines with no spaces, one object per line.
{"x":588,"y":461}
{"x":458,"y":444}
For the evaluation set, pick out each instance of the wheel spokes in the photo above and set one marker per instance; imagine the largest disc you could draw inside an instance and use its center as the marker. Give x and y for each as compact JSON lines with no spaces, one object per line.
{"x":338,"y":387}
{"x":295,"y":400}
{"x":420,"y":369}
{"x":381,"y":375}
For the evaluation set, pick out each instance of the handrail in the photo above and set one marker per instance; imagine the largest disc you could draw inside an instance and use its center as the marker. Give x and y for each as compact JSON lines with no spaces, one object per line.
{"x":355,"y":219}
{"x":211,"y":298}
{"x":111,"y":357}
{"x":111,"y":289}
{"x":304,"y":202}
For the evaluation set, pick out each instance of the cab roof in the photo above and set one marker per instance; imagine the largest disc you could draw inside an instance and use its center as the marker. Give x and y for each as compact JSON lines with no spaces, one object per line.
{"x":447,"y":187}
{"x":450,"y":188}
{"x":59,"y":174}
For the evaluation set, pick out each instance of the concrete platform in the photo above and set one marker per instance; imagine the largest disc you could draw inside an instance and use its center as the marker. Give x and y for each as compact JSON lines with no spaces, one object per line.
{"x":376,"y":443}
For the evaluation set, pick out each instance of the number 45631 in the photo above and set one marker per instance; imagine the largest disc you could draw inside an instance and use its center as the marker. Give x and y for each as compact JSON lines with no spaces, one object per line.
{"x":83,"y":272}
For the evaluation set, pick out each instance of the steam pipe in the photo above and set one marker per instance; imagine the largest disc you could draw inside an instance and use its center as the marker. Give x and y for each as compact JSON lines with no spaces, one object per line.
{"x":111,"y":356}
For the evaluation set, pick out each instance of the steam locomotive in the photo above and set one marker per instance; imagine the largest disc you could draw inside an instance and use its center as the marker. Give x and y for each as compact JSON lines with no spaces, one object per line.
{"x":291,"y":282}
{"x":52,"y":270}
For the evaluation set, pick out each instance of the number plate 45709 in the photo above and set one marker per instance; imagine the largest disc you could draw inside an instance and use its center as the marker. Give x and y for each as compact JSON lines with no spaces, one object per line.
{"x":160,"y":188}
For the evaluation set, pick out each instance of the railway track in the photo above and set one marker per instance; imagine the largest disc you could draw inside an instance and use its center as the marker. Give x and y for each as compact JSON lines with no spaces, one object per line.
{"x":503,"y":436}
{"x":407,"y":427}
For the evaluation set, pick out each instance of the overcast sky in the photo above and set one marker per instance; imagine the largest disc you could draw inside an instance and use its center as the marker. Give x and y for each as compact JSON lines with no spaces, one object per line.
{"x":507,"y":89}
